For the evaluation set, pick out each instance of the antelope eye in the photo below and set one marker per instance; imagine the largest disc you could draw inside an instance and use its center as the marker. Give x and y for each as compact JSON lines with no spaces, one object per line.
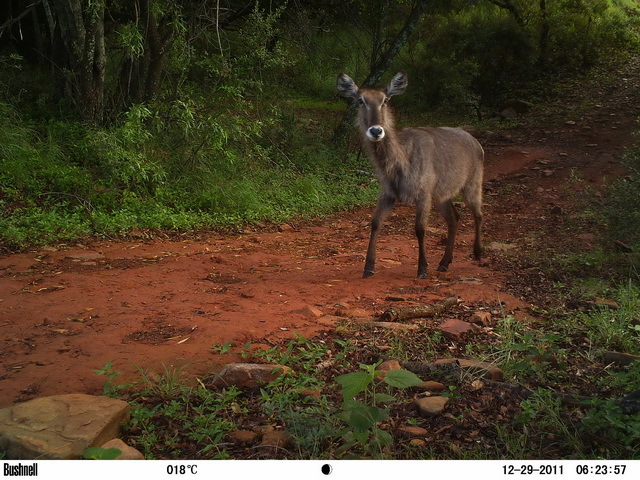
{"x":384,"y":102}
{"x":360,"y":101}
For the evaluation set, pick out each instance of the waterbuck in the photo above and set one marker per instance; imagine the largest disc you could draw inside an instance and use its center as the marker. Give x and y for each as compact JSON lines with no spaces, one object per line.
{"x":419,"y":165}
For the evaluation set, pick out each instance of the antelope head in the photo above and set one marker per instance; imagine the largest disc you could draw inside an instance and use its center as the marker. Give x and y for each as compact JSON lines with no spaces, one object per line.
{"x":372,"y":102}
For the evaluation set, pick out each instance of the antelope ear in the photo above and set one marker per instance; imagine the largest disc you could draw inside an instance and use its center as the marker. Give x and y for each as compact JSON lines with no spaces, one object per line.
{"x":397,"y":85}
{"x":347,"y":87}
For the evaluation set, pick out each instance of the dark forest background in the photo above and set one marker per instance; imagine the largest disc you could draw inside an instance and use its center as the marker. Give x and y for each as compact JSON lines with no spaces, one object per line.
{"x":122,"y":115}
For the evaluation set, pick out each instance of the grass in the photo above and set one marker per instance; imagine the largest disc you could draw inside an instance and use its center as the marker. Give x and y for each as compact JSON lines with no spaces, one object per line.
{"x":60,"y":181}
{"x":567,"y":404}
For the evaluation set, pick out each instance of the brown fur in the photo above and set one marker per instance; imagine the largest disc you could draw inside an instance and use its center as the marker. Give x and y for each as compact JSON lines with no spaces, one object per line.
{"x":419,"y":165}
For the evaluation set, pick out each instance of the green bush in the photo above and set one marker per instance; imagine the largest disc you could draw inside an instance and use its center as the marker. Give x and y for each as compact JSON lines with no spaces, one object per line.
{"x":622,"y":207}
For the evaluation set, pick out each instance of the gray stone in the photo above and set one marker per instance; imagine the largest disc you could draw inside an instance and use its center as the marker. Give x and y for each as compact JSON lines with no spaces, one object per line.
{"x":61,"y":426}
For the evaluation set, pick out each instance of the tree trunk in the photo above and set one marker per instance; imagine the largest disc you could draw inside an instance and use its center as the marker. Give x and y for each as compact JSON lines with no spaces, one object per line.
{"x":80,"y":57}
{"x":511,"y":8}
{"x":141,"y":77}
{"x":386,"y":59}
{"x":544,"y":35}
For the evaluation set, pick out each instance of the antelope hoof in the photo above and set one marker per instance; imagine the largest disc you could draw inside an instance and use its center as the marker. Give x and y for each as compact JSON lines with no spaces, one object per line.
{"x":443,"y":268}
{"x":368,"y":273}
{"x":422,"y":274}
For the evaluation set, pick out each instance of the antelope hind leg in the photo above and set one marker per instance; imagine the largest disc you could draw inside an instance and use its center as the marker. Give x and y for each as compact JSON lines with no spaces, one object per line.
{"x":451,"y":215}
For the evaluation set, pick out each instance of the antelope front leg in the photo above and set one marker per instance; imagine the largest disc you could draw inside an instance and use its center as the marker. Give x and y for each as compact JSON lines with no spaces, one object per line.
{"x":385,"y":204}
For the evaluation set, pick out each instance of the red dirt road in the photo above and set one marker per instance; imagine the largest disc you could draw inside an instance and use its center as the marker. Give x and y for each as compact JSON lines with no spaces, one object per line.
{"x":67,"y":310}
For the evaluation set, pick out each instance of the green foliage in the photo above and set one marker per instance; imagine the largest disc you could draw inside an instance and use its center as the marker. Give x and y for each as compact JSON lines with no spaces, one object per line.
{"x":622,"y":207}
{"x":605,"y":419}
{"x":615,"y":329}
{"x":526,"y":353}
{"x":109,"y":389}
{"x":98,"y":453}
{"x":238,"y":130}
{"x":167,"y":412}
{"x":362,"y":417}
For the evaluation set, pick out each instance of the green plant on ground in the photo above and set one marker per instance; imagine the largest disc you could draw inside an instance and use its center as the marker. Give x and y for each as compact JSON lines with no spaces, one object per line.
{"x":109,"y":389}
{"x":99,"y":453}
{"x":307,"y":414}
{"x":525,"y":352}
{"x":543,"y":420}
{"x":362,"y":417}
{"x":167,"y":412}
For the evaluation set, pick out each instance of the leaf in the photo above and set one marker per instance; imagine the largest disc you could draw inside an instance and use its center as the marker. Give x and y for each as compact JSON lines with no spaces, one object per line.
{"x":382,"y":438}
{"x":98,"y":453}
{"x":383,"y":397}
{"x":402,"y":379}
{"x":353,"y":383}
{"x":362,"y":417}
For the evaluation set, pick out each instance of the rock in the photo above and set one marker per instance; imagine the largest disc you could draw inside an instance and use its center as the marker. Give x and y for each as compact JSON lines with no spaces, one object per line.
{"x":603,"y":302}
{"x":430,"y":406}
{"x":249,"y":375}
{"x":273,"y":441}
{"x":621,"y":359}
{"x":128,"y":453}
{"x":243,"y":437}
{"x":61,"y":426}
{"x":384,"y":367}
{"x":454,"y":329}
{"x":432,"y":386}
{"x":512,"y":108}
{"x":482,"y":318}
{"x":310,"y":393}
{"x":484,"y":369}
{"x":310,"y":311}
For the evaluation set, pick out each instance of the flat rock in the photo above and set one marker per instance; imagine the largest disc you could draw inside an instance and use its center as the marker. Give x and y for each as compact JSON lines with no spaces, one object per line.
{"x":61,"y":426}
{"x":454,"y":329}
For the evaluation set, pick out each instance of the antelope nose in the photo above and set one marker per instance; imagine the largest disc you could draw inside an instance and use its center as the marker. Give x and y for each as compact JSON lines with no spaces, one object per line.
{"x":375,"y":133}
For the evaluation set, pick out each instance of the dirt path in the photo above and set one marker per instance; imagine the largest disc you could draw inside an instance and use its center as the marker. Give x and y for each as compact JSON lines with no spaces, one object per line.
{"x":68,"y":310}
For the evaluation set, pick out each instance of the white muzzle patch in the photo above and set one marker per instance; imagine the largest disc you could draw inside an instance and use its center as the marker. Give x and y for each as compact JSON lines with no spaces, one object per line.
{"x":375,"y":133}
